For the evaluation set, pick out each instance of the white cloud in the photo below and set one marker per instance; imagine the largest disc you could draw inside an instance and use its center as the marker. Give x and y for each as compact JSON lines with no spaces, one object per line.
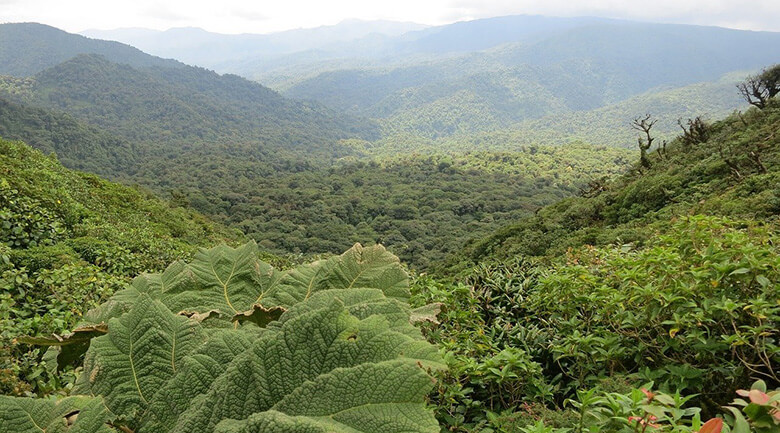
{"x":237,"y":16}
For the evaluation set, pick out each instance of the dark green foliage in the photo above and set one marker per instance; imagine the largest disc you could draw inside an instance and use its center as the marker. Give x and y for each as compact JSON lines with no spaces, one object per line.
{"x":24,"y":222}
{"x":669,"y":274}
{"x":693,"y":310}
{"x":76,"y":145}
{"x":422,"y":207}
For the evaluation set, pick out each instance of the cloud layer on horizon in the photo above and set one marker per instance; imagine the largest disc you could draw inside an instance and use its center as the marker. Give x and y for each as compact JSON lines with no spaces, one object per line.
{"x":239,"y":16}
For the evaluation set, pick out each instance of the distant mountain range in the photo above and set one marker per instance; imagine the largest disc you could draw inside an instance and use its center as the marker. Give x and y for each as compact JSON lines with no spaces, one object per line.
{"x":199,"y":47}
{"x":29,"y":48}
{"x":528,"y":79}
{"x":163,"y":105}
{"x":483,"y":75}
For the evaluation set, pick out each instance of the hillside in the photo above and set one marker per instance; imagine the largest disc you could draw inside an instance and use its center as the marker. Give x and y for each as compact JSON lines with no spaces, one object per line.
{"x":68,"y":240}
{"x":29,"y":48}
{"x":168,"y":108}
{"x":608,"y":125}
{"x":77,"y":145}
{"x":733,"y":172}
{"x":648,"y":301}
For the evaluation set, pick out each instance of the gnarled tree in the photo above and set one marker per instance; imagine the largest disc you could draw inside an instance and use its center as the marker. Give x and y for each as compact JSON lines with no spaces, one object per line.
{"x":644,"y":124}
{"x":760,"y":88}
{"x":697,"y":131}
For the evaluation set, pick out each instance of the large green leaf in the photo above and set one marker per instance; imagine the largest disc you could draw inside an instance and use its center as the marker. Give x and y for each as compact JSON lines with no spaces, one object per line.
{"x":384,"y":397}
{"x":221,"y":279}
{"x":335,"y":350}
{"x":72,"y":415}
{"x":194,"y":377}
{"x":140,"y":353}
{"x":325,"y":346}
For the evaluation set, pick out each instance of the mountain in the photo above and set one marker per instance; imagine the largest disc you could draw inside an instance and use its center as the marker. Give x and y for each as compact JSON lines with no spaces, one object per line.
{"x":199,"y":47}
{"x":481,"y":34}
{"x":576,"y":69}
{"x":29,"y":48}
{"x":607,"y":125}
{"x":187,"y":106}
{"x":163,"y":103}
{"x":489,"y":75}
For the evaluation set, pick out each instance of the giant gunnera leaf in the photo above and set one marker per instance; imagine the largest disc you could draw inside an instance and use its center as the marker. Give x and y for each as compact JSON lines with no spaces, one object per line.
{"x":228,"y":344}
{"x":72,"y":415}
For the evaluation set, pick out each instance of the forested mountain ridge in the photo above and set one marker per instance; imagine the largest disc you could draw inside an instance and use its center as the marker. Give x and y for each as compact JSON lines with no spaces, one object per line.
{"x":629,"y":57}
{"x":607,"y":125}
{"x":164,"y":107}
{"x":559,"y":72}
{"x":29,"y":48}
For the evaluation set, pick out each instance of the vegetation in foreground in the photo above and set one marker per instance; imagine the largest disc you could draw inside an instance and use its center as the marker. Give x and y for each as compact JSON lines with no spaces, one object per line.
{"x":666,"y":279}
{"x":68,"y":240}
{"x":226,"y":343}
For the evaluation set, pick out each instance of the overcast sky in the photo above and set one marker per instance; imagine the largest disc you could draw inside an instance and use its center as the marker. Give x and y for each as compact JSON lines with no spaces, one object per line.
{"x":240,"y":16}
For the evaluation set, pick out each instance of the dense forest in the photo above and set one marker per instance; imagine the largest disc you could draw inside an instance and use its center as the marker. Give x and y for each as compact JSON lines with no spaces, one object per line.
{"x":294,"y":176}
{"x":552,"y":246}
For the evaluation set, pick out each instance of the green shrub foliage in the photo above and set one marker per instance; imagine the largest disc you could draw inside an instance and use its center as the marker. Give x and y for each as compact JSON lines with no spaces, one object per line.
{"x":695,"y":310}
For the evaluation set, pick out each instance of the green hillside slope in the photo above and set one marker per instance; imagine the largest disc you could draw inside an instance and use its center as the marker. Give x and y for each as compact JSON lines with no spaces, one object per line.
{"x":167,"y":108}
{"x":77,"y":145}
{"x":609,"y":125}
{"x":28,"y":48}
{"x":734,"y":173}
{"x":649,"y":302}
{"x":67,"y":241}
